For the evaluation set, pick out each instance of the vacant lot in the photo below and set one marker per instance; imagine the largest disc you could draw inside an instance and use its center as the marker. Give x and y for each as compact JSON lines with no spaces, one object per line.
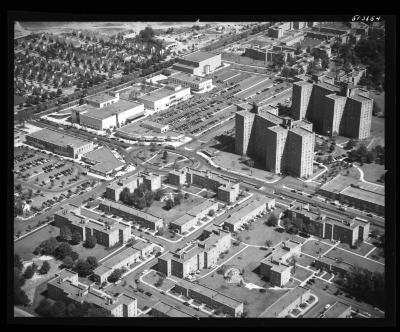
{"x":315,"y":248}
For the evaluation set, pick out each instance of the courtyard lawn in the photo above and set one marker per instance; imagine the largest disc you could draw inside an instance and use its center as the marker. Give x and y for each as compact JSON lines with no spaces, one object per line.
{"x":373,"y":172}
{"x":305,"y":261}
{"x":157,"y":208}
{"x":98,"y":251}
{"x":254,"y":301}
{"x":362,"y":249}
{"x":301,"y":273}
{"x":153,"y":277}
{"x":27,"y":245}
{"x":314,"y":248}
{"x":258,"y":233}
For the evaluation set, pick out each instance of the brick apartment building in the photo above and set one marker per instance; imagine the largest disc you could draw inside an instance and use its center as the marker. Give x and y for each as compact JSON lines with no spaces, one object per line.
{"x":145,"y":219}
{"x":283,"y":144}
{"x":346,"y":231}
{"x":65,"y":286}
{"x":108,"y":232}
{"x":210,"y":297}
{"x":276,"y":266}
{"x":227,"y":191}
{"x":197,"y":256}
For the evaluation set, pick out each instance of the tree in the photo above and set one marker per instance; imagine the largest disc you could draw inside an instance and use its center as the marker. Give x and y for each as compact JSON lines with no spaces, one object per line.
{"x":159,"y":194}
{"x":43,"y":307}
{"x":211,"y":213}
{"x":90,"y":242}
{"x":65,"y":233}
{"x":169,"y":204}
{"x":20,"y":297}
{"x":268,"y":243}
{"x":68,"y":262}
{"x":58,"y":309}
{"x":18,"y":263}
{"x":45,"y":268}
{"x":64,"y":249}
{"x":83,"y":268}
{"x":76,"y":237}
{"x":48,"y":247}
{"x":29,"y":272}
{"x":165,"y":155}
{"x":371,"y":156}
{"x":92,"y":261}
{"x":115,"y":275}
{"x":272,"y":220}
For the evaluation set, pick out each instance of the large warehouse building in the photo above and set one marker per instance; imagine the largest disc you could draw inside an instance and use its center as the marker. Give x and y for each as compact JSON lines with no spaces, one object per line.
{"x":198,"y":63}
{"x":60,"y":143}
{"x":165,"y":97}
{"x":114,"y":114}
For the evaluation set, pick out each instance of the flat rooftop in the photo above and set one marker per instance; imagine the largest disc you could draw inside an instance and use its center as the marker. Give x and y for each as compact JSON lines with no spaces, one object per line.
{"x":169,"y":310}
{"x":119,"y":107}
{"x":200,"y":208}
{"x":123,"y":182}
{"x":131,"y":211}
{"x":189,"y":78}
{"x":111,"y":262}
{"x":277,"y":307}
{"x":365,"y":195}
{"x":183,"y":220}
{"x":210,"y":293}
{"x":301,"y":131}
{"x":154,"y":124}
{"x":199,"y":56}
{"x":244,"y":209}
{"x":57,"y":138}
{"x":159,"y":94}
{"x":101,"y":98}
{"x":104,"y":159}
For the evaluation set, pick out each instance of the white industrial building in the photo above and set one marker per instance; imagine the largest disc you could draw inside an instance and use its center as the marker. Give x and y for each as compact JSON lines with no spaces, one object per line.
{"x":198,"y":63}
{"x":195,"y":83}
{"x":165,"y":97}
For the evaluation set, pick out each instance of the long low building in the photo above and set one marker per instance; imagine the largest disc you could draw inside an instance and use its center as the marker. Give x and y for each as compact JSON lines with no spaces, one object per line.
{"x":59,"y":143}
{"x":210,"y":297}
{"x":190,"y":218}
{"x":241,"y":214}
{"x":65,"y":286}
{"x":161,"y":309}
{"x":198,"y":63}
{"x":165,"y":97}
{"x":366,"y":196}
{"x":147,"y":220}
{"x":195,"y":83}
{"x":113,"y":115}
{"x":287,"y":303}
{"x":102,"y":161}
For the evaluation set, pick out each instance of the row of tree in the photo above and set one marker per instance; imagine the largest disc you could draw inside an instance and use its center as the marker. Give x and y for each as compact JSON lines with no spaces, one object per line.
{"x":362,"y":155}
{"x":140,"y":198}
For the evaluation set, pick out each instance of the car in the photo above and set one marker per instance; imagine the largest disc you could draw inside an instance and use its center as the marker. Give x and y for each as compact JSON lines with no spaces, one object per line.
{"x":327,"y":306}
{"x":369,"y":215}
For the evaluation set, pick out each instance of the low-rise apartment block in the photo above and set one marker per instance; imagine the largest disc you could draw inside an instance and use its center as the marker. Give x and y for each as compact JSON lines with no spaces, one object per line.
{"x":65,"y":286}
{"x":197,"y":256}
{"x":276,"y":266}
{"x":365,"y":196}
{"x":318,"y":224}
{"x":145,"y":219}
{"x":108,"y":232}
{"x":227,"y":191}
{"x":161,"y":309}
{"x":152,"y":182}
{"x":210,"y":297}
{"x":286,"y":303}
{"x":239,"y":215}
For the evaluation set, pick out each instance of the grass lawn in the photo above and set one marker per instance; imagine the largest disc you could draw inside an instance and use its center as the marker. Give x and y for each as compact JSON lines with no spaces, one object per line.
{"x":258,"y":233}
{"x":379,"y":99}
{"x":153,"y":277}
{"x":254,"y":301}
{"x":27,"y":245}
{"x":305,"y":261}
{"x":314,"y":248}
{"x":361,"y":250}
{"x":98,"y":251}
{"x":378,"y":255}
{"x":232,"y":161}
{"x":355,"y":260}
{"x":377,"y":131}
{"x":372,"y":172}
{"x":301,"y":274}
{"x":177,"y":211}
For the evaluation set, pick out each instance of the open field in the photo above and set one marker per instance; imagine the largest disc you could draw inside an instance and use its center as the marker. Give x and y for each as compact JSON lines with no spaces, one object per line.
{"x":26,"y":246}
{"x":377,"y":131}
{"x":373,"y":172}
{"x":362,"y":249}
{"x":258,"y":233}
